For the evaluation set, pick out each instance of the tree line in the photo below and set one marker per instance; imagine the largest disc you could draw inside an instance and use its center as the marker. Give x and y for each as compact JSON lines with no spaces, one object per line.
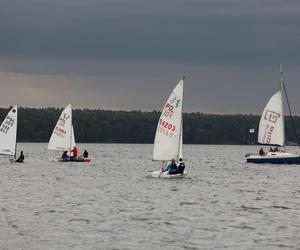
{"x":105,"y":126}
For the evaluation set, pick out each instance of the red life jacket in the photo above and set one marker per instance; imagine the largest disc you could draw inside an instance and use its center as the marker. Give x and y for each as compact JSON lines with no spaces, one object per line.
{"x":75,"y":152}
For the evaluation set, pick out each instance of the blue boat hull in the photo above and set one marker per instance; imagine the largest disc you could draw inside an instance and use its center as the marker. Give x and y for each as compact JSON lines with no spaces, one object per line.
{"x":277,"y":160}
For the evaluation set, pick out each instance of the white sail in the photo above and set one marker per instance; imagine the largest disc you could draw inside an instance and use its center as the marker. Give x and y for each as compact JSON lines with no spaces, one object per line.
{"x":8,"y":132}
{"x":271,"y":126}
{"x":168,"y":138}
{"x":62,"y":137}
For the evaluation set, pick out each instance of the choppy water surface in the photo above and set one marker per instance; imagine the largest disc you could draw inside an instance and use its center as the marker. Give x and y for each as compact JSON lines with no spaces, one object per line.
{"x":111,"y":203}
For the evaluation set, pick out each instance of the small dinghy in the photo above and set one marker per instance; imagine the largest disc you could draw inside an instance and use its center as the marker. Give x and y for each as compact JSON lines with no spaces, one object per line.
{"x":168,"y":137}
{"x":272,"y":131}
{"x":8,"y":135}
{"x":63,"y":138}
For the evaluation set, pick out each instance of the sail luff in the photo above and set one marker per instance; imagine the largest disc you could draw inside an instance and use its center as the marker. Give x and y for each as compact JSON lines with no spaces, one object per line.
{"x":71,"y":127}
{"x":15,"y":155}
{"x":179,"y":155}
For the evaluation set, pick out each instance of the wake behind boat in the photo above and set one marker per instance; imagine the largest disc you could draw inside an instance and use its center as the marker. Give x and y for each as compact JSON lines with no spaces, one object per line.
{"x":168,"y":137}
{"x":272,"y":132}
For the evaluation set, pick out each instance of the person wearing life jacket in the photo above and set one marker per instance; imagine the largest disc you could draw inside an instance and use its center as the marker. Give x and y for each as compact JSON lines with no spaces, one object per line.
{"x":75,"y":152}
{"x":181,"y":166}
{"x":171,"y":168}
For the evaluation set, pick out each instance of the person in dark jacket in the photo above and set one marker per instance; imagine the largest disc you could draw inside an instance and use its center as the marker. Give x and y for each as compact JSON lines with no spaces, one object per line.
{"x":181,"y":166}
{"x":65,"y":155}
{"x":85,"y":154}
{"x":262,"y":152}
{"x":21,"y":157}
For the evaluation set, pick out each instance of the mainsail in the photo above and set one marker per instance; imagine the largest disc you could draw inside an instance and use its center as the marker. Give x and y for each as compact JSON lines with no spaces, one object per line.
{"x":63,"y":137}
{"x":8,"y":133}
{"x":271,"y":126}
{"x":168,"y":138}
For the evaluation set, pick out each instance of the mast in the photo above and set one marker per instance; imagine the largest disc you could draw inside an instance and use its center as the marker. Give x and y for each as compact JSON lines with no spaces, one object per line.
{"x":181,"y":122}
{"x":282,"y":90}
{"x":71,"y":131}
{"x":15,"y":155}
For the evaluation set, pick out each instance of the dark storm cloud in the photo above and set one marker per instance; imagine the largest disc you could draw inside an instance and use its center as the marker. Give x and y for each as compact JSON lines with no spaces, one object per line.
{"x":128,"y":54}
{"x":202,"y":31}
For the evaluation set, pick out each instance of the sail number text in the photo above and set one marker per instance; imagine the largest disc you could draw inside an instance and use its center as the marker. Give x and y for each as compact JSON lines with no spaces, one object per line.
{"x":167,"y":125}
{"x":7,"y":124}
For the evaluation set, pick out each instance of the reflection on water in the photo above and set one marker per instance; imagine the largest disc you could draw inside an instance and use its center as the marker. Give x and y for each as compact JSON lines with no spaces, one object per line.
{"x":111,"y":203}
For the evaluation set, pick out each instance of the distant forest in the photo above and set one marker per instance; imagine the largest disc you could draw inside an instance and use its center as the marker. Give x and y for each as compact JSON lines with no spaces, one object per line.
{"x":36,"y":125}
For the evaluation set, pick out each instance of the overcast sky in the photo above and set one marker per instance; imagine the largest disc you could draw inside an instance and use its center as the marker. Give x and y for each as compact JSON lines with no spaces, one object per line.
{"x":129,"y":54}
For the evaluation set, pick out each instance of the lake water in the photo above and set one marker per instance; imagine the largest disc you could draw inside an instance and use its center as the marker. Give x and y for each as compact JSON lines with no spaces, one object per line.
{"x":112,"y":203}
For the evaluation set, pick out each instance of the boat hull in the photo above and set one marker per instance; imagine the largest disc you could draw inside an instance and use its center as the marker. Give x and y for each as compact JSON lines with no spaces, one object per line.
{"x":159,"y":174}
{"x":75,"y":160}
{"x":274,"y":158}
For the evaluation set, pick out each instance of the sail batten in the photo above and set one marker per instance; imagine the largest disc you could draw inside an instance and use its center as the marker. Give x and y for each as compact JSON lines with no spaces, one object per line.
{"x":271,"y":126}
{"x":62,"y":137}
{"x":168,"y":137}
{"x":8,"y":133}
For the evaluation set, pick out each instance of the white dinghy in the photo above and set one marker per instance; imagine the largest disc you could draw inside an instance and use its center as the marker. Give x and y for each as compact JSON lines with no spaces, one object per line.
{"x":63,"y":138}
{"x":8,"y":134}
{"x":168,"y":137}
{"x":272,"y":131}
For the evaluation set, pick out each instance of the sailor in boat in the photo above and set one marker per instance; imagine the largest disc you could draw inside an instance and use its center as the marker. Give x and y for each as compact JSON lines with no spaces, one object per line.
{"x":85,"y":154}
{"x":181,"y":166}
{"x":21,"y":157}
{"x":65,"y":156}
{"x":262,"y":152}
{"x":171,"y":168}
{"x":271,"y":150}
{"x":75,"y":153}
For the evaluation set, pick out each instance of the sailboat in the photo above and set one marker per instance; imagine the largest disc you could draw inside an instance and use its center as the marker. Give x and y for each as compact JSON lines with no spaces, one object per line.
{"x":272,"y":131}
{"x":168,"y":137}
{"x":63,"y":138}
{"x":8,"y":133}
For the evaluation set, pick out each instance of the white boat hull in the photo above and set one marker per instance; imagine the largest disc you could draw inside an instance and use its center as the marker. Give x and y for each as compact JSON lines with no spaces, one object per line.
{"x":159,"y":174}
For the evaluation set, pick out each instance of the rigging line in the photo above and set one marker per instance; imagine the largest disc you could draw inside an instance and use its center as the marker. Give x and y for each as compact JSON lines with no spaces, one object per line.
{"x":290,"y":111}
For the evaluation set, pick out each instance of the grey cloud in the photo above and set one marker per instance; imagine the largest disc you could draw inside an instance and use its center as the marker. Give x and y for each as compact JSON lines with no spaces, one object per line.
{"x":201,"y":31}
{"x":128,"y":54}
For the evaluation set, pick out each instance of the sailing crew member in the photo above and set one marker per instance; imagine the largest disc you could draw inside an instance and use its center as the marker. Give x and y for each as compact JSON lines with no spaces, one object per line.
{"x":171,"y":168}
{"x":75,"y":152}
{"x":21,"y":157}
{"x":65,"y":155}
{"x":181,"y":166}
{"x":85,"y":154}
{"x":262,"y":152}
